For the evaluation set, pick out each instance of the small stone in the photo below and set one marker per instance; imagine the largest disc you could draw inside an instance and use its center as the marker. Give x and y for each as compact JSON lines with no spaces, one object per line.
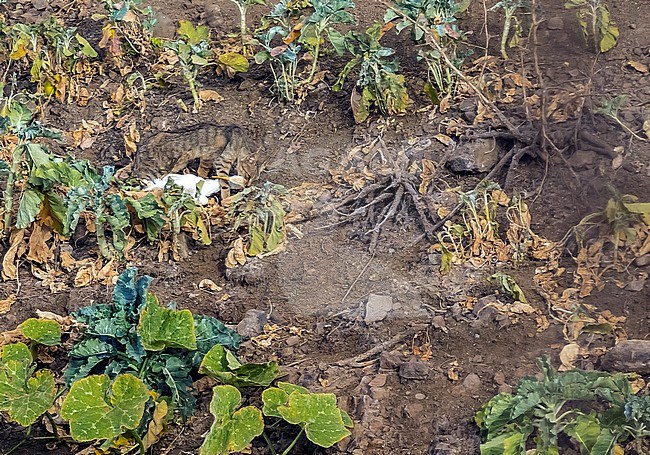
{"x":629,"y":356}
{"x":484,"y":309}
{"x":476,"y":156}
{"x":213,"y":16}
{"x":378,"y":381}
{"x":438,"y":322}
{"x":472,"y":382}
{"x":555,"y":23}
{"x":499,"y":378}
{"x":377,"y":308}
{"x":252,"y":324}
{"x":504,"y":388}
{"x":389,"y":360}
{"x":642,"y":261}
{"x":413,"y":370}
{"x":164,"y":27}
{"x":40,"y":4}
{"x":636,"y":285}
{"x":435,"y":259}
{"x":420,"y":396}
{"x":247,"y":84}
{"x":413,"y":410}
{"x":292,"y":341}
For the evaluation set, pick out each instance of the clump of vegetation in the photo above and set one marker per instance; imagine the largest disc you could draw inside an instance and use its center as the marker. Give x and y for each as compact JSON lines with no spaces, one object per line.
{"x":511,"y":22}
{"x":131,"y":370}
{"x":378,"y":82}
{"x":598,"y":411}
{"x":439,"y":18}
{"x":595,"y":22}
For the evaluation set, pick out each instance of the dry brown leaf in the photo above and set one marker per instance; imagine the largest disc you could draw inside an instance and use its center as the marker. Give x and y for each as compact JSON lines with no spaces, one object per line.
{"x":428,"y":172}
{"x":84,"y":276}
{"x":11,"y":336}
{"x":156,"y":425}
{"x":15,"y":251}
{"x":639,"y":66}
{"x":443,"y":138}
{"x":568,"y":356}
{"x":452,"y":373}
{"x":236,"y":255}
{"x":38,"y":251}
{"x":210,"y":285}
{"x":67,"y":261}
{"x":5,"y":304}
{"x":210,"y":95}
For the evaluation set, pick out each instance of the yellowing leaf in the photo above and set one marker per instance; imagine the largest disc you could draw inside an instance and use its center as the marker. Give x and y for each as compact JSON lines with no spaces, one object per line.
{"x":568,"y":356}
{"x":640,"y":67}
{"x":235,"y":60}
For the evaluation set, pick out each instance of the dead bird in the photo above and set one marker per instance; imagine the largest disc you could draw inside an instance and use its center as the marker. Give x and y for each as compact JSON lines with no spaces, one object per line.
{"x":220,"y":150}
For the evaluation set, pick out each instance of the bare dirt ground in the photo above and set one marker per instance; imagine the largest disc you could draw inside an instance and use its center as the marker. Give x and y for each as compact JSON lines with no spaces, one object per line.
{"x":402,"y":402}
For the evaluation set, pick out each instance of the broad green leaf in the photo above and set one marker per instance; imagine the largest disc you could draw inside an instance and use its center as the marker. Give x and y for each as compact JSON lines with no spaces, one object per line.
{"x":86,"y":48}
{"x":231,"y":431}
{"x":511,"y":443}
{"x":161,"y":328}
{"x":210,"y":331}
{"x":235,"y":60}
{"x":279,"y":396}
{"x":97,"y":409}
{"x":193,"y":35}
{"x":150,"y":213}
{"x":24,"y":397}
{"x":30,"y":206}
{"x":318,"y":414}
{"x":42,"y":331}
{"x":220,"y":364}
{"x":509,"y":285}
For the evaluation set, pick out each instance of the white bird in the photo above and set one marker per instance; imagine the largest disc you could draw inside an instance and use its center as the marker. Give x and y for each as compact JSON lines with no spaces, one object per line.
{"x":199,"y":188}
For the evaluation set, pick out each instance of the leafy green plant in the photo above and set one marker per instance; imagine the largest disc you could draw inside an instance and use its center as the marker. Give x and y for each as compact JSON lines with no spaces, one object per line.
{"x":510,"y":9}
{"x":597,"y":410}
{"x":509,"y":285}
{"x":41,"y":331}
{"x":242,"y":6}
{"x":610,"y":108}
{"x":233,"y":429}
{"x":135,"y":335}
{"x":25,"y":395}
{"x":378,"y":81}
{"x":193,"y":51}
{"x":17,"y":121}
{"x":595,"y":20}
{"x":58,"y":57}
{"x":261,"y":211}
{"x":290,"y":40}
{"x":221,"y":364}
{"x":439,"y":18}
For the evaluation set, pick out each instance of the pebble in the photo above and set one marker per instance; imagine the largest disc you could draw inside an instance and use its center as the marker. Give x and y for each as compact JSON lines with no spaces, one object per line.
{"x":555,"y":23}
{"x":377,"y":308}
{"x":164,"y":26}
{"x":413,"y":370}
{"x":642,"y":261}
{"x":476,"y":156}
{"x":628,"y":356}
{"x":500,"y":378}
{"x":420,"y":396}
{"x":472,"y":382}
{"x":379,"y":380}
{"x":292,"y":341}
{"x":252,"y":324}
{"x":505,"y":388}
{"x":389,"y":360}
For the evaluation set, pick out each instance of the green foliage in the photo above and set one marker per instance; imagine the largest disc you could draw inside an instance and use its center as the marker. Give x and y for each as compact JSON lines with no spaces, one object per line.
{"x":233,"y":429}
{"x":595,"y":21}
{"x":127,"y":30}
{"x":42,"y":331}
{"x":378,"y":82}
{"x":117,"y":341}
{"x":509,"y":285}
{"x":260,"y":209}
{"x":437,"y":17}
{"x":193,"y":51}
{"x":24,"y":396}
{"x":99,"y":409}
{"x":293,"y":35}
{"x":510,"y":9}
{"x":57,"y":56}
{"x":221,"y":364}
{"x":162,"y":328}
{"x":609,"y":108}
{"x":596,"y":409}
{"x":316,"y":413}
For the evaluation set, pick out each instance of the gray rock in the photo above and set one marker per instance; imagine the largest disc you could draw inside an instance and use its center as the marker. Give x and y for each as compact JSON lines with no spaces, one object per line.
{"x":582,"y":159}
{"x":413,"y":370}
{"x":555,"y":23}
{"x":252,"y":324}
{"x":389,"y":360}
{"x":642,"y":261}
{"x":377,"y":308}
{"x":476,"y":156}
{"x":484,"y":310}
{"x":629,"y":356}
{"x":472,"y":382}
{"x":164,"y":26}
{"x":40,"y":4}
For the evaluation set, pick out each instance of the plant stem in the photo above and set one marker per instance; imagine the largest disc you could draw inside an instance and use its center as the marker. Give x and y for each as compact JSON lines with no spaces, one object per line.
{"x":49,"y":417}
{"x":22,"y":441}
{"x":100,"y":232}
{"x":315,"y":62}
{"x":195,"y":96}
{"x":242,"y":21}
{"x":138,"y":439}
{"x":506,"y":32}
{"x":269,"y":443}
{"x":293,"y":443}
{"x":9,"y":190}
